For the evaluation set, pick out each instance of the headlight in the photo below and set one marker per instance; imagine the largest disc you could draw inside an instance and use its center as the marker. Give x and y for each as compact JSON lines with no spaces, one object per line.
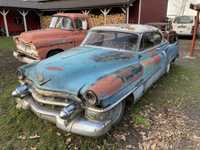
{"x":33,"y":50}
{"x":91,"y":98}
{"x":20,"y":74}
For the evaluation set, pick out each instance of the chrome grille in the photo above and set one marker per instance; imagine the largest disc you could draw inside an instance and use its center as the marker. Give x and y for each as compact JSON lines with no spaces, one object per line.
{"x":54,"y":101}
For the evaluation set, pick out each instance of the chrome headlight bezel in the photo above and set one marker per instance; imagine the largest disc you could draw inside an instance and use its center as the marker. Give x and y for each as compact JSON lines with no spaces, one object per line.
{"x":91,"y":98}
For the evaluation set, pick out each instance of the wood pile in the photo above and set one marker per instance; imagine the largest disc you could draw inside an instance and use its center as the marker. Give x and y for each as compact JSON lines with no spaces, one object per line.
{"x":96,"y":20}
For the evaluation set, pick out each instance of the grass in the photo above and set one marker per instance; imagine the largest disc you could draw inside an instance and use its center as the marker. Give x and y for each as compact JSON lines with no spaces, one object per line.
{"x":6,"y":43}
{"x":179,"y":89}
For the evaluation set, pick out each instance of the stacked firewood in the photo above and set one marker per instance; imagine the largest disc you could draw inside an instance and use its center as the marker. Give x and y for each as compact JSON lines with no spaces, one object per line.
{"x":110,"y":19}
{"x":96,"y":20}
{"x":45,"y":21}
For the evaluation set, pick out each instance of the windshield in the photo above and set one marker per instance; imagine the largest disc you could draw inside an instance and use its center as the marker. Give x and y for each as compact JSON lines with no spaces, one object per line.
{"x":61,"y":23}
{"x":184,"y":20}
{"x":112,"y":39}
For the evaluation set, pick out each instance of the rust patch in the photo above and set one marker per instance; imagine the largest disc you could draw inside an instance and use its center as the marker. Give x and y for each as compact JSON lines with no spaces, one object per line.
{"x":154,"y":60}
{"x":131,"y":73}
{"x":107,"y":86}
{"x":55,"y":68}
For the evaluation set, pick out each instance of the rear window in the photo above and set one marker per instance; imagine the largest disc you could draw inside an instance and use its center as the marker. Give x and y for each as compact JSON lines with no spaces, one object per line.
{"x":184,"y":20}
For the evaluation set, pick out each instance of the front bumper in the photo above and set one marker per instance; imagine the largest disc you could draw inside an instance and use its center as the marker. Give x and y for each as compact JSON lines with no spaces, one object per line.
{"x":23,"y":58}
{"x":79,"y":125}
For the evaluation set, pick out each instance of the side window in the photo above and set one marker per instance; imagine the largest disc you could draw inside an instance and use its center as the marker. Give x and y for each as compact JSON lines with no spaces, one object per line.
{"x":150,"y":39}
{"x":146,"y":41}
{"x":156,"y":38}
{"x":67,"y":24}
{"x":81,"y":24}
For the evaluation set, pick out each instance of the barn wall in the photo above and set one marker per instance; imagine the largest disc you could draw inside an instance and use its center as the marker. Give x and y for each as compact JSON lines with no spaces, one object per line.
{"x":154,"y":11}
{"x":133,"y":12}
{"x":15,"y":22}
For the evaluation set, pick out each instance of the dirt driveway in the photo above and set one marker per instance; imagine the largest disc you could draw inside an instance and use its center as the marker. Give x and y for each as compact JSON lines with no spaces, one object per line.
{"x":167,"y":117}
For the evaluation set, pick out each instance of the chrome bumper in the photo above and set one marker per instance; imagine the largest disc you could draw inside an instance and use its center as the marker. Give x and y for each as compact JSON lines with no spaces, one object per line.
{"x":79,"y":125}
{"x":23,"y":58}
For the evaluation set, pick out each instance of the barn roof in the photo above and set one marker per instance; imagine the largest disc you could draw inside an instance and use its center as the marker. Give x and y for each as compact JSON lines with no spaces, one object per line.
{"x":62,"y":4}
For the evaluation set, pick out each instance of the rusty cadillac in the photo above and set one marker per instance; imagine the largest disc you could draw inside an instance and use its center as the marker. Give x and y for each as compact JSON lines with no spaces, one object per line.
{"x":84,"y":90}
{"x":66,"y":30}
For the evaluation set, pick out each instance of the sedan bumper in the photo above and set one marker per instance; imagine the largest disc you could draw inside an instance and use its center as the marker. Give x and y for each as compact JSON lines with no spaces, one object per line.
{"x":23,"y":58}
{"x":79,"y":125}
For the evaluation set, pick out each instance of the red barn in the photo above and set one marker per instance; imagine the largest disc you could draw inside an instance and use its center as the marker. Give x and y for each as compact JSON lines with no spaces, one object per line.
{"x":20,"y":15}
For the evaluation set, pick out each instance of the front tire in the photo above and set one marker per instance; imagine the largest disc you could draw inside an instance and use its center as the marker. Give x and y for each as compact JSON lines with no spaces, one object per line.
{"x":118,"y":113}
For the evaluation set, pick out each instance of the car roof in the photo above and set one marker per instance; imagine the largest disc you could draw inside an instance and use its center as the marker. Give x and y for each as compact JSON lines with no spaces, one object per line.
{"x":131,"y":28}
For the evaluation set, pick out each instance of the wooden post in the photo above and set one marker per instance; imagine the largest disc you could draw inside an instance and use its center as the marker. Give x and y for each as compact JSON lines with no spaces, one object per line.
{"x":140,"y":11}
{"x":24,"y":13}
{"x":127,"y":14}
{"x":196,"y":28}
{"x":124,"y":12}
{"x":105,"y":13}
{"x":4,"y":14}
{"x":85,"y":12}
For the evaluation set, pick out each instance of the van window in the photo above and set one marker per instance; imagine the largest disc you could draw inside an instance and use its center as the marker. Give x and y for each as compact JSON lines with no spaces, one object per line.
{"x":184,"y":20}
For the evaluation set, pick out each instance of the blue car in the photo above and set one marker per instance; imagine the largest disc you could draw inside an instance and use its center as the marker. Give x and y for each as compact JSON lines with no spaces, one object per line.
{"x":84,"y":90}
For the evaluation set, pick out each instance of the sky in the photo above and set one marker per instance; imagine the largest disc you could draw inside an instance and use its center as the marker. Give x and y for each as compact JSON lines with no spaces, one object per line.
{"x":175,"y":5}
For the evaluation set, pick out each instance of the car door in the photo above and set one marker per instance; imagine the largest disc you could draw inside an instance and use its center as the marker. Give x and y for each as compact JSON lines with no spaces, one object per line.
{"x":81,"y":30}
{"x":173,"y":47}
{"x":145,"y":55}
{"x":149,"y":55}
{"x":159,"y":56}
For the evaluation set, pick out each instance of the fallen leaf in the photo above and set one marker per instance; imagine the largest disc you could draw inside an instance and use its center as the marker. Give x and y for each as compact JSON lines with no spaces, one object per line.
{"x":34,"y":137}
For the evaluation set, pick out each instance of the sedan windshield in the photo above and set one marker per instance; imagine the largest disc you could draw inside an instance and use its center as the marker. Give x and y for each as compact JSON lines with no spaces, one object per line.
{"x":112,"y":39}
{"x":61,"y":23}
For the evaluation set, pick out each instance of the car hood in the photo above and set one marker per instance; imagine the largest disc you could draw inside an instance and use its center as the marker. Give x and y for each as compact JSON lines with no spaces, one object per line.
{"x":45,"y":35}
{"x":77,"y":68}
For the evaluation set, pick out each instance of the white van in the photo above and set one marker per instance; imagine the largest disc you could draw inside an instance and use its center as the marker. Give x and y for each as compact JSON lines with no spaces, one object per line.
{"x":184,"y":25}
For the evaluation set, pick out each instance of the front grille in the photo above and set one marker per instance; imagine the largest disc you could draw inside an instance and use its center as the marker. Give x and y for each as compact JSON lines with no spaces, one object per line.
{"x":49,"y":100}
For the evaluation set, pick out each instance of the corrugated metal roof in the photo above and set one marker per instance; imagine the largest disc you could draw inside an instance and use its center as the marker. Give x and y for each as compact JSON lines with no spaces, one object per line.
{"x":62,"y":4}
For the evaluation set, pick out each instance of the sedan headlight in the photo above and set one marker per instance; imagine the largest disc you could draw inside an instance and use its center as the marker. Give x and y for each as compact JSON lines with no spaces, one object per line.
{"x":91,"y":98}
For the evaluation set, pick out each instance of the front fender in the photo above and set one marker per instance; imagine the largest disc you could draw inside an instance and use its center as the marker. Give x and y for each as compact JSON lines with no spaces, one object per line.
{"x":116,"y":86}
